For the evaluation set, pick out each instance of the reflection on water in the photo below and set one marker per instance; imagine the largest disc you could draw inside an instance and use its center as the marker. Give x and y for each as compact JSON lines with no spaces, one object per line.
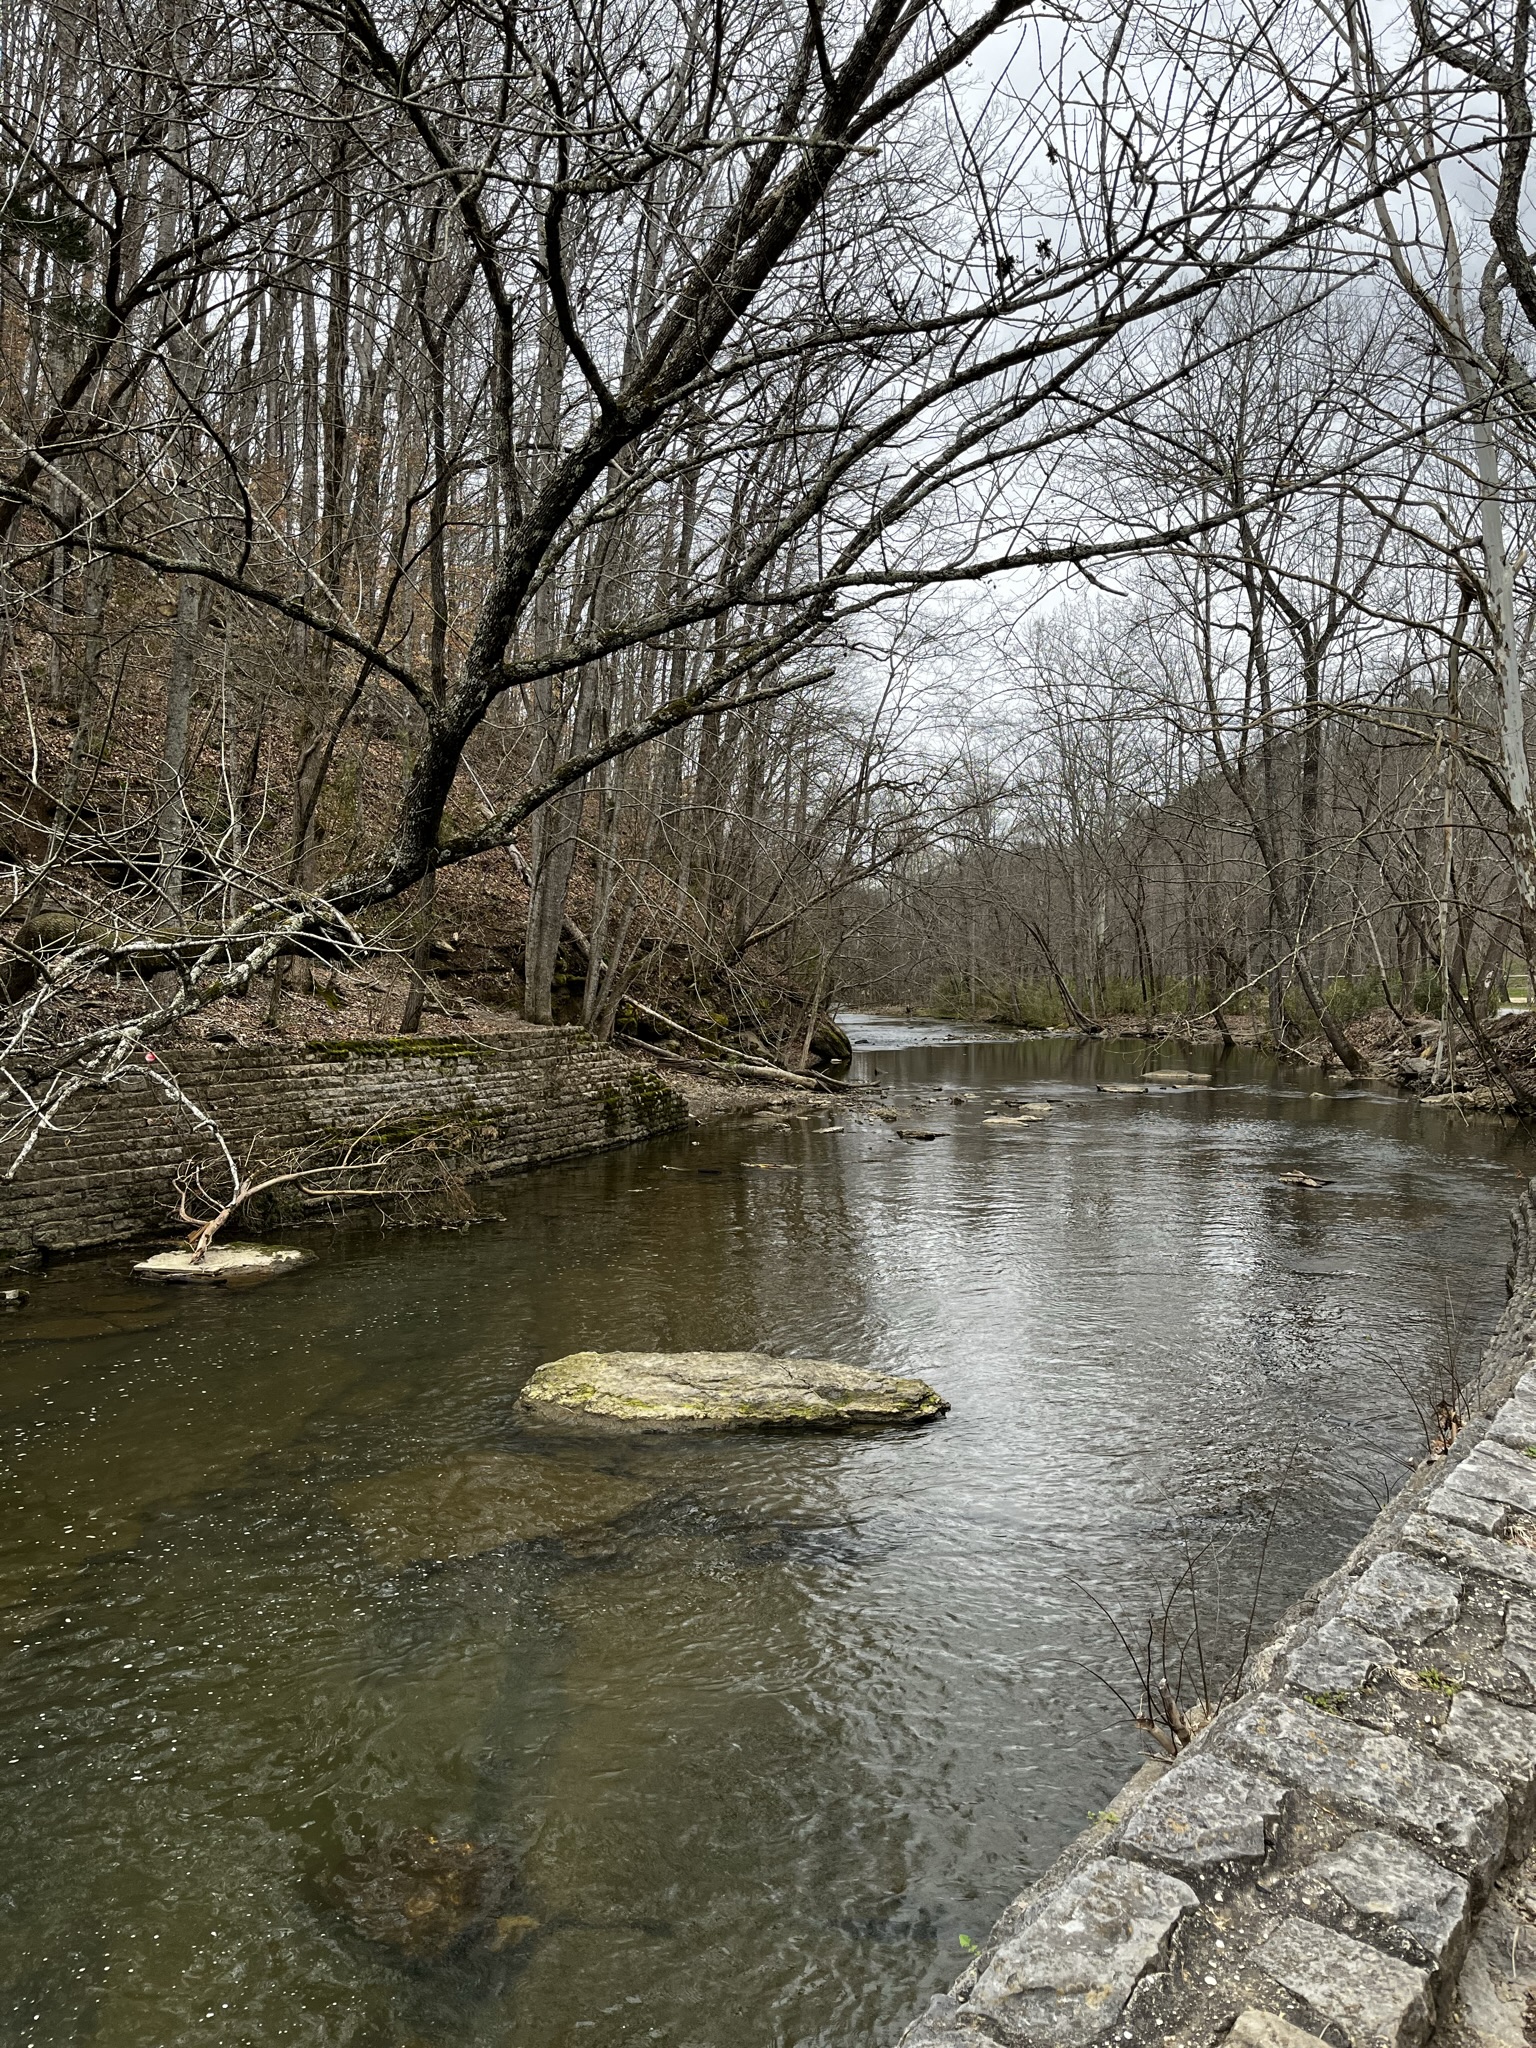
{"x":763,"y":1727}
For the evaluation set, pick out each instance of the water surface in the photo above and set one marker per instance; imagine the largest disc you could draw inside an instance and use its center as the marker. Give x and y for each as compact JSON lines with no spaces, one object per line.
{"x":772,"y":1746}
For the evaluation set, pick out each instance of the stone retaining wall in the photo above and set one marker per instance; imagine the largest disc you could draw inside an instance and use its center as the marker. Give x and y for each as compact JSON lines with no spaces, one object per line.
{"x":1345,"y":1853}
{"x":495,"y":1105}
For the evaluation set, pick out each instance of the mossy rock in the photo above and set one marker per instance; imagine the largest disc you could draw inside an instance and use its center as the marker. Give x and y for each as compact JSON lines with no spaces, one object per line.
{"x":479,"y":1502}
{"x":715,"y":1390}
{"x":830,"y":1043}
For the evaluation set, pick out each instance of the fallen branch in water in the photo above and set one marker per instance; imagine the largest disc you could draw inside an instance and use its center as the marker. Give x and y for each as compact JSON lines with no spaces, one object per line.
{"x":742,"y":1066}
{"x":752,"y":1068}
{"x":382,"y":1178}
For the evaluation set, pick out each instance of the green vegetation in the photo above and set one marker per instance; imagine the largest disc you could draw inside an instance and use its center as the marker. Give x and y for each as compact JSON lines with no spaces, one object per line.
{"x":1439,"y":1681}
{"x":394,"y":1048}
{"x":643,"y":1099}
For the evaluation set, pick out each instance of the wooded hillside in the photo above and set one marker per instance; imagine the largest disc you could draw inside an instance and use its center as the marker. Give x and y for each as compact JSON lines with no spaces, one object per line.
{"x":602,"y":496}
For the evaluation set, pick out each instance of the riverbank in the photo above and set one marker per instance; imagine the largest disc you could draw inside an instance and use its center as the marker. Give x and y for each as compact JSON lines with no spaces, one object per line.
{"x":471,"y":985}
{"x":457,"y":1110}
{"x":1346,"y":1847}
{"x":489,"y":1105}
{"x":1492,"y":1071}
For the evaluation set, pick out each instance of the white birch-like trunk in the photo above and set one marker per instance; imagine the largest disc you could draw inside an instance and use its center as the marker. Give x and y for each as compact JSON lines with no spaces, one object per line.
{"x":1498,"y":574}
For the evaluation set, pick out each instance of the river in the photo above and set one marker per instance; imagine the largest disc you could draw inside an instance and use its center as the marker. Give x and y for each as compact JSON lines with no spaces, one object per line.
{"x":773,"y":1747}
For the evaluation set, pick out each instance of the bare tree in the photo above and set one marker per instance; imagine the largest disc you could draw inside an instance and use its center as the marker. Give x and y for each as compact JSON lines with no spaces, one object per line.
{"x":415,"y":418}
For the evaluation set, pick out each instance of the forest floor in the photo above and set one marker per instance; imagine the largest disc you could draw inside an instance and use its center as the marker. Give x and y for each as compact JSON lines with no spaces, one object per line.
{"x":363,"y":1002}
{"x":473,"y":990}
{"x":678,"y":994}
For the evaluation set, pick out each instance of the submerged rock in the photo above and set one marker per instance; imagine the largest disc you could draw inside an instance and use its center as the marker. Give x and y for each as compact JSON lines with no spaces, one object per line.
{"x":57,"y":1329}
{"x":221,"y":1263}
{"x":478,"y":1503}
{"x":414,"y":1892}
{"x":673,"y":1390}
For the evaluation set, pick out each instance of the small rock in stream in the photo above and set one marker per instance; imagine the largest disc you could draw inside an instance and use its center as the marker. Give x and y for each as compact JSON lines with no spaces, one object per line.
{"x":222,"y":1263}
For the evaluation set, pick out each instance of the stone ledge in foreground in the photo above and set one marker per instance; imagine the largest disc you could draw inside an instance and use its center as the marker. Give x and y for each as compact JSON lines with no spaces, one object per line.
{"x":1345,"y":1854}
{"x":721,"y":1390}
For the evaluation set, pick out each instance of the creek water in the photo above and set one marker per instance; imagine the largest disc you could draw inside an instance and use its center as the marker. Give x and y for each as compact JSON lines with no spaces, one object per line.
{"x":770,"y":1748}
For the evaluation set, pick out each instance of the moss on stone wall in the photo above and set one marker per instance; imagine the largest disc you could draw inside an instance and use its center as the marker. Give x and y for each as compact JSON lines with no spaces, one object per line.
{"x":653,"y":1103}
{"x":397,"y":1048}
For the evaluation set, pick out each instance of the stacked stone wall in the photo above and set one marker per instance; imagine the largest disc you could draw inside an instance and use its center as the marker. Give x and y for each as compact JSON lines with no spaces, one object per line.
{"x":492,"y":1106}
{"x":1344,"y":1855}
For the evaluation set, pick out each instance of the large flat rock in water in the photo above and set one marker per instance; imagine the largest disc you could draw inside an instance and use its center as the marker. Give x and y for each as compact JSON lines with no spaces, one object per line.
{"x":675,"y":1390}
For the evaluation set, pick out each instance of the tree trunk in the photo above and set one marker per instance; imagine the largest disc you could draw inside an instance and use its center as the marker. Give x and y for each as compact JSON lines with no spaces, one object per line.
{"x":421,"y":958}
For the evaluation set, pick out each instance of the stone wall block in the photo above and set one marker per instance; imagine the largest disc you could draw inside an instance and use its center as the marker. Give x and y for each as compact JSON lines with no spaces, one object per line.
{"x":1383,"y":1890}
{"x":1338,"y":1658}
{"x":1497,"y":1475}
{"x":1515,"y":1423}
{"x":1402,"y":1598}
{"x":1519,"y":1647}
{"x":1449,"y":1543}
{"x":1255,"y":2029}
{"x":1373,"y":1998}
{"x":1473,"y":1510}
{"x":1498,"y":1741}
{"x":1066,"y":1977}
{"x":1380,"y":1778}
{"x":1204,"y":1813}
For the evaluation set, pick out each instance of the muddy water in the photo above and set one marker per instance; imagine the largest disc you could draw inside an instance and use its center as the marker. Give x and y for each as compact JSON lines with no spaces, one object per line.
{"x":770,"y":1743}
